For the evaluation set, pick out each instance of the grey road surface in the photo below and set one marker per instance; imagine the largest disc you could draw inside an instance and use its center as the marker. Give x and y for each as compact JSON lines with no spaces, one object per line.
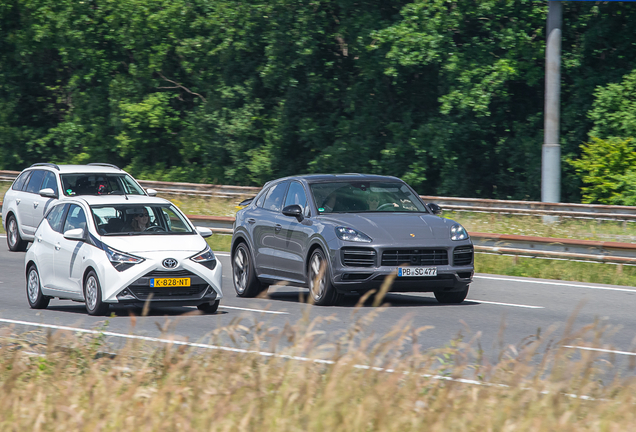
{"x":500,"y":312}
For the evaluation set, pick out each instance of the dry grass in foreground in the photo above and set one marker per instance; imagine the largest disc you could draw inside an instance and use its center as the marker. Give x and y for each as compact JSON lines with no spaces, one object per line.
{"x":536,"y":386}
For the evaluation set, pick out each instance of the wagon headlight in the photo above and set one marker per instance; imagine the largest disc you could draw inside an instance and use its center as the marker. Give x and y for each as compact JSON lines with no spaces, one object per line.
{"x":349,"y":234}
{"x":205,"y":258}
{"x":458,"y":232}
{"x":120,"y":260}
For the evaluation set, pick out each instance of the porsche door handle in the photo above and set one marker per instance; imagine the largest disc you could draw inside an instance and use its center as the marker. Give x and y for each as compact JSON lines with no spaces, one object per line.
{"x":36,"y":204}
{"x":251,"y":220}
{"x":17,"y":201}
{"x":278,"y":227}
{"x":57,"y":247}
{"x":39,"y":238}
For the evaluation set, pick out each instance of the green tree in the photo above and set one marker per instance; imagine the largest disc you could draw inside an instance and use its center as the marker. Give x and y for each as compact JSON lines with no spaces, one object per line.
{"x":608,"y":171}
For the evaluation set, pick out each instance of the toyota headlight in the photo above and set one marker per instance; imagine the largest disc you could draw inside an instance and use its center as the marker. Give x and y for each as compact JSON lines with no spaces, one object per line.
{"x":206,"y":258}
{"x":349,"y":234}
{"x":120,"y":260}
{"x":458,"y":232}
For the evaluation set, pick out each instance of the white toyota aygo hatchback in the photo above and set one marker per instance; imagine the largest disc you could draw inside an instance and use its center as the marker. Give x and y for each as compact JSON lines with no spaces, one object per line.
{"x":121,"y":249}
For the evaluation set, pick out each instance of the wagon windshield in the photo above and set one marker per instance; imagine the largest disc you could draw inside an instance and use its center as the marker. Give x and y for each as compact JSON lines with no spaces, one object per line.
{"x":100,"y":184}
{"x":358,"y":197}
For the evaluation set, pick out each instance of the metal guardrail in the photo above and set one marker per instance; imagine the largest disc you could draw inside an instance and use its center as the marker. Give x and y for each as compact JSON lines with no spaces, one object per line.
{"x":502,"y":244}
{"x":535,"y":208}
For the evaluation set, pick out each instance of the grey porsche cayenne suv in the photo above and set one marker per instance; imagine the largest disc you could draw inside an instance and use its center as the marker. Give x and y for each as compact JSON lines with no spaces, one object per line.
{"x":338,"y":234}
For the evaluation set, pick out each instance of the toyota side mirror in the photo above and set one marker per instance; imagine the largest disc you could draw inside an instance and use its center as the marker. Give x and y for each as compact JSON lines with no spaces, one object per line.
{"x":434,"y":208}
{"x":204,"y":232}
{"x":74,"y":234}
{"x":294,"y":210}
{"x":151,"y":192}
{"x":47,"y":193}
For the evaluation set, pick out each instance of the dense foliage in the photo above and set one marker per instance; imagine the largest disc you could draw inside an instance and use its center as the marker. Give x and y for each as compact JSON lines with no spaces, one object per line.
{"x":445,"y":94}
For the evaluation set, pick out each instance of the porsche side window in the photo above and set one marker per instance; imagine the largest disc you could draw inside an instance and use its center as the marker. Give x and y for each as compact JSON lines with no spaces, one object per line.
{"x":274,"y":200}
{"x":261,"y":199}
{"x":54,"y":217}
{"x":296,"y":195}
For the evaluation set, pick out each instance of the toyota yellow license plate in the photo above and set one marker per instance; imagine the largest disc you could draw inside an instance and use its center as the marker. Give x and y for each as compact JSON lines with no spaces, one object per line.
{"x":169,"y":282}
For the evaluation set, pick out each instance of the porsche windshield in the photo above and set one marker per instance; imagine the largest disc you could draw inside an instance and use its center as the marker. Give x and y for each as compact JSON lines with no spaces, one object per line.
{"x":357,"y":197}
{"x":119,"y":220}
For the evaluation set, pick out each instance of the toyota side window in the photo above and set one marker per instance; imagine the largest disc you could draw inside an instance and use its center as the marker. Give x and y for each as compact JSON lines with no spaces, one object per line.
{"x":35,"y":181}
{"x":54,"y":217}
{"x":75,"y":218}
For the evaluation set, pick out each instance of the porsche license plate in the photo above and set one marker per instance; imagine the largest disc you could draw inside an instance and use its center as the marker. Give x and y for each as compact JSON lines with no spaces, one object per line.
{"x":416,"y":271}
{"x":170,"y":282}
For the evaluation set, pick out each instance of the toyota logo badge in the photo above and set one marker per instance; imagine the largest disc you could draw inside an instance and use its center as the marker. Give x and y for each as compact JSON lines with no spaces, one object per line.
{"x":170,"y":263}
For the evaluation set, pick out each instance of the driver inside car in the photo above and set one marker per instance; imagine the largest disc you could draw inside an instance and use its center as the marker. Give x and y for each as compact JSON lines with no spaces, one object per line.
{"x":140,"y":221}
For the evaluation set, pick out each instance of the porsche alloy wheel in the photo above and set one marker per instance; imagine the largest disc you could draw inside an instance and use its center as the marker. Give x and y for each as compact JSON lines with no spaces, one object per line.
{"x":322,"y":291}
{"x":246,"y":283}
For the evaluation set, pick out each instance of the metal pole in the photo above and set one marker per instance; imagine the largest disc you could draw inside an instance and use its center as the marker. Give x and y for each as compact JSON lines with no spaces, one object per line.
{"x":551,"y":152}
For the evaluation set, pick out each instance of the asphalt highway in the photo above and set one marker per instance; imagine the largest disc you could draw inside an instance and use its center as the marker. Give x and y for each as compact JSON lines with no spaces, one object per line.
{"x":499,"y":313}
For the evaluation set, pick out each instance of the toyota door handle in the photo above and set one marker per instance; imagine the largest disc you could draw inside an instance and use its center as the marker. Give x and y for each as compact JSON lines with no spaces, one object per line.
{"x":278,"y":227}
{"x":57,"y":247}
{"x":17,"y":201}
{"x":36,"y":204}
{"x":39,"y":238}
{"x":251,"y":220}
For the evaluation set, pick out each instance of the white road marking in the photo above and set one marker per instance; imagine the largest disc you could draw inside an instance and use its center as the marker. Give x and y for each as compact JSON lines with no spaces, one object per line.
{"x":263,"y":354}
{"x":479,"y":301}
{"x":600,"y":350}
{"x":224,"y":254}
{"x":3,"y":236}
{"x":506,"y":304}
{"x":571,"y":285}
{"x":254,"y":310}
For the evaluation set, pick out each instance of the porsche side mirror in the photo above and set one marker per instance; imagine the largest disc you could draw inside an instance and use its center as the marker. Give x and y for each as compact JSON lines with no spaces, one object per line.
{"x":294,"y":210}
{"x":434,"y":208}
{"x":47,"y":193}
{"x":74,"y":234}
{"x":246,"y":202}
{"x":151,"y":192}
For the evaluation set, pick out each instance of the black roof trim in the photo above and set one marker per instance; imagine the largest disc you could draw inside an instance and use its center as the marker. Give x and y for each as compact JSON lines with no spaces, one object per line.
{"x":52,"y":165}
{"x":104,"y":165}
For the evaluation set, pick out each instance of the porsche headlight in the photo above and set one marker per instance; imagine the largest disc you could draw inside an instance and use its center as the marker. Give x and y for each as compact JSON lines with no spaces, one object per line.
{"x":458,"y":232}
{"x":206,"y":258}
{"x":120,"y":260}
{"x":349,"y":234}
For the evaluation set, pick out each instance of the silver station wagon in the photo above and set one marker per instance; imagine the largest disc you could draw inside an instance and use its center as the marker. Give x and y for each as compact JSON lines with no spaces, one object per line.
{"x":38,"y":187}
{"x":338,"y":234}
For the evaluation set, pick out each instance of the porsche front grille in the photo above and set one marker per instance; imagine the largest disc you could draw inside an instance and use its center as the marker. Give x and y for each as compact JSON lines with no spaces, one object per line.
{"x":420,"y":257}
